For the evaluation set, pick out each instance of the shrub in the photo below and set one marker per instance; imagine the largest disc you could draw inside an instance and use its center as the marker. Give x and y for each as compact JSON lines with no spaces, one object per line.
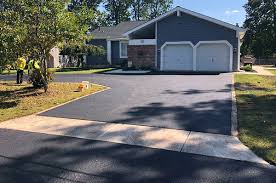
{"x":247,"y":68}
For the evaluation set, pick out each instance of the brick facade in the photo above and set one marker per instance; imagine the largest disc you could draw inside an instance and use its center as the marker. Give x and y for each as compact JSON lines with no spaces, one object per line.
{"x":142,"y":56}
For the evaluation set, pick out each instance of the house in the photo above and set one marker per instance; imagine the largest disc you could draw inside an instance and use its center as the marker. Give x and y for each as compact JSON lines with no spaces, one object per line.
{"x":53,"y":60}
{"x":115,"y":44}
{"x":179,"y":40}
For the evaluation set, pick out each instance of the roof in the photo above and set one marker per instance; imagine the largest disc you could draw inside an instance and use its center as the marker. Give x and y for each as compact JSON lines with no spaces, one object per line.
{"x":195,"y":14}
{"x":115,"y":32}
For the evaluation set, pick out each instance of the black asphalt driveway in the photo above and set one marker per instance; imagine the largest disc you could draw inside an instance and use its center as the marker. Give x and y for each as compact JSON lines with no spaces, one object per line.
{"x":39,"y":158}
{"x":190,"y":102}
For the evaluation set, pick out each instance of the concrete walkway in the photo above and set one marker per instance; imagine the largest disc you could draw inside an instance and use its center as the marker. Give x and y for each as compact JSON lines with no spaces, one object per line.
{"x":215,"y":145}
{"x":260,"y":70}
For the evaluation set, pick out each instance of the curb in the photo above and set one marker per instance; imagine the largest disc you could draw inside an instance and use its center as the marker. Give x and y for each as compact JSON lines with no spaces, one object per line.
{"x":234,"y":116}
{"x":106,"y":88}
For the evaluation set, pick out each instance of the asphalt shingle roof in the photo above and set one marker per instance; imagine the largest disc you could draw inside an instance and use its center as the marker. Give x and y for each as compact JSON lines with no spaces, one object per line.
{"x":115,"y":32}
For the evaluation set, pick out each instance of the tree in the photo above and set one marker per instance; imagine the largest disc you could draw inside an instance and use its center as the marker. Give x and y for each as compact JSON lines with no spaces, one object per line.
{"x":93,"y":17}
{"x":118,"y":11}
{"x":79,"y":51}
{"x":91,"y":4}
{"x":260,"y":21}
{"x":138,"y":9}
{"x":157,"y":7}
{"x":149,"y":9}
{"x":40,"y":25}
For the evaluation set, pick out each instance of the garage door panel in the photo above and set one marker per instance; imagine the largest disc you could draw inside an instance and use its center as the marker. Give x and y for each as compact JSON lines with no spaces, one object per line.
{"x":178,"y":57}
{"x":213,"y":57}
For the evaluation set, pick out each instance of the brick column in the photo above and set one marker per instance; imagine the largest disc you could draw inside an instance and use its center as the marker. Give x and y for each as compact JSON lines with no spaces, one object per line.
{"x":142,"y":56}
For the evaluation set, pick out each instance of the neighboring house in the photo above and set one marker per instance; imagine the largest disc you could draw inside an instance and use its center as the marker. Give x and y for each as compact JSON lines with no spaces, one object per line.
{"x":53,"y":60}
{"x":115,"y":44}
{"x":179,"y":40}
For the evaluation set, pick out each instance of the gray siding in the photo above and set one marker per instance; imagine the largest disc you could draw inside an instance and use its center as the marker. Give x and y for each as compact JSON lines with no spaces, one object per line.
{"x":115,"y":53}
{"x":190,"y":28}
{"x":98,"y":60}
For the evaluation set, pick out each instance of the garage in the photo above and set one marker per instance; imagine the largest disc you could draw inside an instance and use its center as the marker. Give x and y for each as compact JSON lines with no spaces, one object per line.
{"x":177,"y":57}
{"x":214,"y":56}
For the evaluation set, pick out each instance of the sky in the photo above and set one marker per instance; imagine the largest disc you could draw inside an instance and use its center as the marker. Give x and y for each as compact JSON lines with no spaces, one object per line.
{"x":230,"y":11}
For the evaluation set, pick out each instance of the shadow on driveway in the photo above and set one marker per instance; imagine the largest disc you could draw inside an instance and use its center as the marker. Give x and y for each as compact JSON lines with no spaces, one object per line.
{"x":47,"y":158}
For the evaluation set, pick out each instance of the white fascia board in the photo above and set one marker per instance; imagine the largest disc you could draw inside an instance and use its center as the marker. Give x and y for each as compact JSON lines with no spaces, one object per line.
{"x":142,"y":42}
{"x":117,"y":39}
{"x":195,"y":14}
{"x":109,"y":51}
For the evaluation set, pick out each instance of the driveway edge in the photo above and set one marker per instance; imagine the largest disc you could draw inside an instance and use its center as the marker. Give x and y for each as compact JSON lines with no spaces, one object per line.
{"x":234,"y":113}
{"x":106,"y":88}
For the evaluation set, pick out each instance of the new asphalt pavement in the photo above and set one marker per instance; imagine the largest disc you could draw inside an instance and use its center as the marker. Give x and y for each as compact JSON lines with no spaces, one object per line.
{"x":199,"y":103}
{"x":39,"y":158}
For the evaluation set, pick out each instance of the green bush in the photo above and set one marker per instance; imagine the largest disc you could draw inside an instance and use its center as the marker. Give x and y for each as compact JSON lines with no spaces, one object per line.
{"x":247,"y":68}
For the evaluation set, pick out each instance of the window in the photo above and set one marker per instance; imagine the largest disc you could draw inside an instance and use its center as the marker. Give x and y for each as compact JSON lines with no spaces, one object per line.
{"x":123,"y":49}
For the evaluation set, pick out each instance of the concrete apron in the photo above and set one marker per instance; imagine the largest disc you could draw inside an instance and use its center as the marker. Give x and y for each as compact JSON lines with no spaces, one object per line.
{"x":216,"y":145}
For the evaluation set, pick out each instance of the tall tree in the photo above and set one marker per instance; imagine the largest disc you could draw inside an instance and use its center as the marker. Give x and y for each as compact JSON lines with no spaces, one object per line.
{"x":138,"y":9}
{"x":157,"y":7}
{"x":40,"y":25}
{"x":92,"y":4}
{"x":260,"y":21}
{"x":118,"y":10}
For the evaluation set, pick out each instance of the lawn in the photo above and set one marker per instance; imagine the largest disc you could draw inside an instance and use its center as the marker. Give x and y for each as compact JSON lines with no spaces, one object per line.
{"x":69,"y":70}
{"x":74,"y":70}
{"x":273,"y":71}
{"x":5,"y":72}
{"x":22,"y":100}
{"x":256,"y":102}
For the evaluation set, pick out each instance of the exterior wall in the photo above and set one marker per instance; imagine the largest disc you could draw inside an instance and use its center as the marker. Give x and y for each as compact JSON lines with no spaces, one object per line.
{"x":142,"y":56}
{"x":97,"y":60}
{"x":115,"y":53}
{"x":190,"y":28}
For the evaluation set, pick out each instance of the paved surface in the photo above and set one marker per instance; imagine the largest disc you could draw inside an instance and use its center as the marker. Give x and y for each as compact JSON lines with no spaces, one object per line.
{"x":169,"y":139}
{"x":189,"y":102}
{"x":37,"y":158}
{"x":259,"y":70}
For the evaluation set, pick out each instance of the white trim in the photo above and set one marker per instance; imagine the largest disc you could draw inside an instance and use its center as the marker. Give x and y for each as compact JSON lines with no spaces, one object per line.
{"x":117,"y":39}
{"x":156,"y":51}
{"x":239,"y":54}
{"x":120,"y":47}
{"x":198,"y":15}
{"x":214,"y":42}
{"x":108,"y":51}
{"x":142,"y":42}
{"x":172,"y":43}
{"x":178,"y":13}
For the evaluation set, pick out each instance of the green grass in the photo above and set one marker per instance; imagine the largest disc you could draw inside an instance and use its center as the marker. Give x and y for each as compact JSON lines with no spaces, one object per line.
{"x":79,"y":71}
{"x":71,"y":70}
{"x":256,"y":102}
{"x":5,"y":72}
{"x":21,"y":100}
{"x":273,"y":71}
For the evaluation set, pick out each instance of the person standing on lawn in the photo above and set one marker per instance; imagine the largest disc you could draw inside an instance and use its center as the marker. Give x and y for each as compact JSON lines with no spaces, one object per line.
{"x":20,"y":65}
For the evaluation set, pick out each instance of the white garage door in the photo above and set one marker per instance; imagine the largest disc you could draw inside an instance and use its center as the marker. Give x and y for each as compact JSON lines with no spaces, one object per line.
{"x":177,"y":57}
{"x":213,"y":57}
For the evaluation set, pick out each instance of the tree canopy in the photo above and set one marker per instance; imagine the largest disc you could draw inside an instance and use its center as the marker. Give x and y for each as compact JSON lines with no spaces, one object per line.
{"x":260,"y":39}
{"x":119,"y":11}
{"x":36,"y":26}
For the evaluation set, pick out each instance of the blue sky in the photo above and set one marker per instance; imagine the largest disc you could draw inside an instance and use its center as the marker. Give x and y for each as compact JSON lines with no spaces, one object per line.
{"x":230,"y":11}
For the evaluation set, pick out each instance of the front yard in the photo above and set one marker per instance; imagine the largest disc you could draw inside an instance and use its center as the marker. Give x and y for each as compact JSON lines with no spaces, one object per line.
{"x":69,"y":70}
{"x":256,"y":102}
{"x":273,"y":71}
{"x":21,"y":100}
